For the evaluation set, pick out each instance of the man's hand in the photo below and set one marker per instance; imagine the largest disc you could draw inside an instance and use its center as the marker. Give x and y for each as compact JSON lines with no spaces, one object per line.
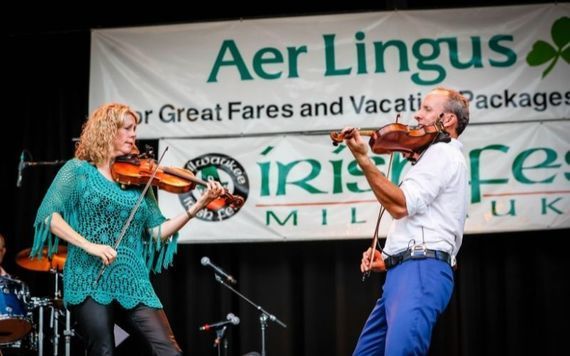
{"x":354,"y":141}
{"x":377,"y":264}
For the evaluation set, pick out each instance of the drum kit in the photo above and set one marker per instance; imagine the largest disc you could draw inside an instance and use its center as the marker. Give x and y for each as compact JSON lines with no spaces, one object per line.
{"x":22,"y":316}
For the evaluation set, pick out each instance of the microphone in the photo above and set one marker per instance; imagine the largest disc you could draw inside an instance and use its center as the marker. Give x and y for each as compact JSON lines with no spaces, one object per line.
{"x":21,"y":167}
{"x":206,"y":262}
{"x":231,"y":319}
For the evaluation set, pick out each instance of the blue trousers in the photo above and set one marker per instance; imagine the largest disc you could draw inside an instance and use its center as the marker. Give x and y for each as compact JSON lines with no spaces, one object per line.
{"x":415,"y":294}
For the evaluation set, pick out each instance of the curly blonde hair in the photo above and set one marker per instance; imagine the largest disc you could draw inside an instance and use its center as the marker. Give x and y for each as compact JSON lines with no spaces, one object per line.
{"x":99,"y":131}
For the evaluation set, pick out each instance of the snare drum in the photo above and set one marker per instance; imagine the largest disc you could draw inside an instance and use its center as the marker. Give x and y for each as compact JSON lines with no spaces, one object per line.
{"x":15,"y":321}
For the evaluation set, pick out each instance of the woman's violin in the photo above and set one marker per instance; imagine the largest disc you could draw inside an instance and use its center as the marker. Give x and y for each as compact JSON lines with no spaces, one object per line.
{"x":137,"y":169}
{"x":396,"y":137}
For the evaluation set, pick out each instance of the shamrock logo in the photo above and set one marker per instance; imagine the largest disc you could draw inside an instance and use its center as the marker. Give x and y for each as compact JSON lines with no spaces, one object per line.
{"x":543,"y":52}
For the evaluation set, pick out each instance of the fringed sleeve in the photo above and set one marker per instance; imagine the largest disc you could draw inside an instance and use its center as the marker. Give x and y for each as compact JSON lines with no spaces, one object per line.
{"x":159,"y":253}
{"x":60,"y":198}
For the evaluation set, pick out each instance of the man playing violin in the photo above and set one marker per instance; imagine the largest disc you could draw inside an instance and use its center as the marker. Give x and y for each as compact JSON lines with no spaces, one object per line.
{"x":429,"y":209}
{"x":88,"y":209}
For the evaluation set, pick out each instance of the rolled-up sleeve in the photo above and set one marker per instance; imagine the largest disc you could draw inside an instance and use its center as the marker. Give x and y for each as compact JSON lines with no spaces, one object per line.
{"x":424,"y":182}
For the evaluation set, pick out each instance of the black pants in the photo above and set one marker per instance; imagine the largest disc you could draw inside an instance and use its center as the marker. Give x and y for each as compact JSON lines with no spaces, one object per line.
{"x":96,"y":323}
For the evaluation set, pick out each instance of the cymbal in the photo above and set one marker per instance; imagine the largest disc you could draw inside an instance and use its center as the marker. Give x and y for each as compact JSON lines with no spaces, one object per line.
{"x":42,"y":264}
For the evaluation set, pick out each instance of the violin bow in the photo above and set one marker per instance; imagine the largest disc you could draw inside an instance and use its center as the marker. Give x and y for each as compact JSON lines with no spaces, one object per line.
{"x":366,"y":274}
{"x":132,"y":215}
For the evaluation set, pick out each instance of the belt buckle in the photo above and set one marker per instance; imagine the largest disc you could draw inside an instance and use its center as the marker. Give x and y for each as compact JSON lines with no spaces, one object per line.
{"x":418,"y":251}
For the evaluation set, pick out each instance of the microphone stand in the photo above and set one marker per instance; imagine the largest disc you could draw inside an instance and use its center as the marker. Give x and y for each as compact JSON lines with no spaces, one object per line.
{"x":221,"y":338}
{"x":24,"y":164}
{"x":263,"y":317}
{"x":43,"y":163}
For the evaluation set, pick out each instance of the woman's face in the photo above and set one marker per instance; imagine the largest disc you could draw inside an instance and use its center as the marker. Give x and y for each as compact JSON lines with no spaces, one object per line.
{"x":126,"y":136}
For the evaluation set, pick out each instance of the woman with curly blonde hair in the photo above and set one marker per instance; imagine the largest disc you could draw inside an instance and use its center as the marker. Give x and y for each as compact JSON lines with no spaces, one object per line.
{"x":85,"y":207}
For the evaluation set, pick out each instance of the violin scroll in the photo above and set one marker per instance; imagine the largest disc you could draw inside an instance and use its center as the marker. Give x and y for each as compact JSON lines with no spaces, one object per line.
{"x":336,"y":137}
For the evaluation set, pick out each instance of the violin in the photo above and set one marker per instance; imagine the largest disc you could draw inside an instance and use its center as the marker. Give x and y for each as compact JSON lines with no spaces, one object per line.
{"x":135,"y":169}
{"x":396,"y":137}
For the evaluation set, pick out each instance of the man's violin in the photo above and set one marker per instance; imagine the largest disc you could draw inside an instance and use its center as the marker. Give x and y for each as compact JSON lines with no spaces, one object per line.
{"x":137,"y":169}
{"x":396,"y":137}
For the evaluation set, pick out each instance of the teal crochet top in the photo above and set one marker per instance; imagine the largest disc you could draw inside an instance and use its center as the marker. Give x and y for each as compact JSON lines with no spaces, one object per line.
{"x":97,"y":208}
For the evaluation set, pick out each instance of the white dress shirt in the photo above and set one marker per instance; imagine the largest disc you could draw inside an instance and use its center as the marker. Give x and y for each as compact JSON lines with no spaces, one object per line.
{"x":436,"y":192}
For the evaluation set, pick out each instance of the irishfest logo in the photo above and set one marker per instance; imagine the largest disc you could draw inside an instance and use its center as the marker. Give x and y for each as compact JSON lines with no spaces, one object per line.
{"x":226,"y":170}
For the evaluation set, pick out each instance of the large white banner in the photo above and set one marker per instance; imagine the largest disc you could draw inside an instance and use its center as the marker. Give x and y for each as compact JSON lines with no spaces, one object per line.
{"x":317,"y":73}
{"x":304,"y":188}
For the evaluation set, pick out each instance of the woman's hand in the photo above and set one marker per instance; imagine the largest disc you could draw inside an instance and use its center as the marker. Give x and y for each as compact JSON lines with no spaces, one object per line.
{"x":169,"y":227}
{"x":106,"y":253}
{"x":377,"y":262}
{"x":213,"y":191}
{"x":61,"y":228}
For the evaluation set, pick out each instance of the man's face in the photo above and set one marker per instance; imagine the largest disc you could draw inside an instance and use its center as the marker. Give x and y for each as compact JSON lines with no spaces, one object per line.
{"x":431,"y":109}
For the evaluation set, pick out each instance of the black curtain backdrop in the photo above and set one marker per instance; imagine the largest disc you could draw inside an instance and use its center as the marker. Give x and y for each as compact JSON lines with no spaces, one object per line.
{"x":510,"y":288}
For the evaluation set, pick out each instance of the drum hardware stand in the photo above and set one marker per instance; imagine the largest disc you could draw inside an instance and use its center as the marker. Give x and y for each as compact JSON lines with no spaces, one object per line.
{"x":40,"y":303}
{"x":68,"y":333}
{"x":264,"y":316}
{"x":41,"y":331}
{"x":54,"y":321}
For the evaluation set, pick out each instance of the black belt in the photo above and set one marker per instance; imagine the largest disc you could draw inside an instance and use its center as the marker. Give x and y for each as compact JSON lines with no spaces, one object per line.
{"x":414,"y":254}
